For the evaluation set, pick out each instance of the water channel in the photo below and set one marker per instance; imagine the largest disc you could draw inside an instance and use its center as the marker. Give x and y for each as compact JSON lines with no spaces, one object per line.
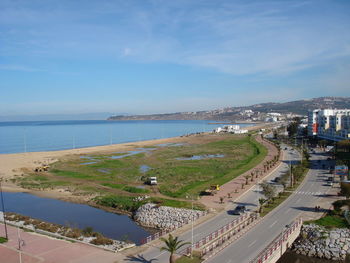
{"x":50,"y":210}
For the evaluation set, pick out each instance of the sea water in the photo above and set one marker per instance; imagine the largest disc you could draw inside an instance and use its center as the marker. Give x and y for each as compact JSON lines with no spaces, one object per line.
{"x":34,"y":136}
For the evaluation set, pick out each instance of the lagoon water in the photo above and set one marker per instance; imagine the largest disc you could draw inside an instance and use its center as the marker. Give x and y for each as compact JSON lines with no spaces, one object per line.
{"x":75,"y":215}
{"x":33,"y":136}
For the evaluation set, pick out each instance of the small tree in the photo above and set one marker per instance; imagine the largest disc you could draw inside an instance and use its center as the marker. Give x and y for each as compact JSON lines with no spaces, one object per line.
{"x":246,"y":179}
{"x":268,"y":190}
{"x":345,"y":190}
{"x":285,"y":179}
{"x":171,"y":245}
{"x":262,"y":201}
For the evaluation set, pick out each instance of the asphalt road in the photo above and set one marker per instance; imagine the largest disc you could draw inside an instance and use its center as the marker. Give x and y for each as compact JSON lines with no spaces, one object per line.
{"x":250,"y":200}
{"x":252,"y":243}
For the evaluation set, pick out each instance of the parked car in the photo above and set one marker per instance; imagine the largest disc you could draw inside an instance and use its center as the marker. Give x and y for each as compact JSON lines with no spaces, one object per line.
{"x":240,"y":209}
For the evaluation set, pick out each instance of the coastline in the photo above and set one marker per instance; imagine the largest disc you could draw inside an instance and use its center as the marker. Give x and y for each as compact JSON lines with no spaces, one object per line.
{"x":17,"y":164}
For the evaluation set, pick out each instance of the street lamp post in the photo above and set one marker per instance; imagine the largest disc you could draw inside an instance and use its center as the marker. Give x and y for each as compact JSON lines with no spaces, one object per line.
{"x":291,"y":173}
{"x":191,"y":196}
{"x":3,"y":209}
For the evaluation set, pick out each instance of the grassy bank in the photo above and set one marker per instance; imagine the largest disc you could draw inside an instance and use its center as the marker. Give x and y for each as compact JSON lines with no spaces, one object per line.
{"x":181,"y":169}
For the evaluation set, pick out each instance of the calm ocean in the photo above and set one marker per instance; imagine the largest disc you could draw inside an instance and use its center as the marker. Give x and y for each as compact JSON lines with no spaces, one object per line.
{"x":37,"y":136}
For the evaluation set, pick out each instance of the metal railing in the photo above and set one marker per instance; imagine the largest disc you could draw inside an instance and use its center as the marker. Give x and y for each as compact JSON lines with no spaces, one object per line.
{"x":277,"y":243}
{"x":221,"y":235}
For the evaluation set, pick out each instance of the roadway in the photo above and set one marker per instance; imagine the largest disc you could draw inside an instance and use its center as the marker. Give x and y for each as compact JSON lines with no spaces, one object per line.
{"x":250,"y":200}
{"x":304,"y":200}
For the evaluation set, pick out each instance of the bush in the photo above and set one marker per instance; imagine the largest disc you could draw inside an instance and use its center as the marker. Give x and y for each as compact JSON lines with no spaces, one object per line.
{"x":73,"y":233}
{"x":339,"y":204}
{"x":100,"y":240}
{"x":120,"y":202}
{"x":48,"y":227}
{"x":88,"y":231}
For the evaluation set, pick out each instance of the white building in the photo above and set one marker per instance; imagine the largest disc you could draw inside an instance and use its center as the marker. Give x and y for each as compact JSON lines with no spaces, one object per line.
{"x":271,"y":119}
{"x":231,"y":129}
{"x":330,"y":124}
{"x":276,"y":114}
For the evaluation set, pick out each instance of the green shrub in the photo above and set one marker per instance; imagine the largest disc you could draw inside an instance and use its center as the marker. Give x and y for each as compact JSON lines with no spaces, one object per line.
{"x":120,"y":202}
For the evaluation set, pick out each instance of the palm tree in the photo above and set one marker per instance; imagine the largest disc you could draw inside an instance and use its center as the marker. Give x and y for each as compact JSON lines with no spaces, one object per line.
{"x":171,"y":245}
{"x":262,"y":201}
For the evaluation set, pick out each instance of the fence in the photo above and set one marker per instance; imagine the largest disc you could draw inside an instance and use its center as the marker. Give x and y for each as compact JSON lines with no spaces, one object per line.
{"x":166,"y":231}
{"x":277,"y":243}
{"x":217,"y":240}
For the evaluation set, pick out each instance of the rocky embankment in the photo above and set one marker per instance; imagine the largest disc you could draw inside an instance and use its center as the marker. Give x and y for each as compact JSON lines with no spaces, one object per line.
{"x":319,"y":242}
{"x":164,"y":217}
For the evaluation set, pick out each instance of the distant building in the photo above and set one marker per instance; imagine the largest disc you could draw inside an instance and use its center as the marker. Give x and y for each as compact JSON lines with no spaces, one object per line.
{"x":271,"y":119}
{"x":274,"y":114}
{"x":231,"y":129}
{"x":330,"y":124}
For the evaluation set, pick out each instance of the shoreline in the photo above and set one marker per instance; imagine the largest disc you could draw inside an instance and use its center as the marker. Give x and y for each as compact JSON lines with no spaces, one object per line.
{"x":17,"y":164}
{"x":12,"y":163}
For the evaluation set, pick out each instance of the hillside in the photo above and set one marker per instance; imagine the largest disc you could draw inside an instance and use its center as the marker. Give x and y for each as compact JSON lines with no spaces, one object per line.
{"x":299,"y":107}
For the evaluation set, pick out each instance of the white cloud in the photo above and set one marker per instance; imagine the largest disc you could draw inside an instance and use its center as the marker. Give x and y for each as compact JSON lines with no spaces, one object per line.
{"x":235,"y":37}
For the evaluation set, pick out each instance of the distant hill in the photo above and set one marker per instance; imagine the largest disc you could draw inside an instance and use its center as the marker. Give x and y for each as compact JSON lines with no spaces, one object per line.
{"x":302,"y":106}
{"x":299,"y":107}
{"x":57,"y":117}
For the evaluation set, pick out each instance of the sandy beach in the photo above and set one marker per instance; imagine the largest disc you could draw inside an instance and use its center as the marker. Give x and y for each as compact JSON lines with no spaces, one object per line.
{"x":12,"y":165}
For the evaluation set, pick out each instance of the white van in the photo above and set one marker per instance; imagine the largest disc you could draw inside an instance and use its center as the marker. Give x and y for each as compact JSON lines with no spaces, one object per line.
{"x":152,"y":180}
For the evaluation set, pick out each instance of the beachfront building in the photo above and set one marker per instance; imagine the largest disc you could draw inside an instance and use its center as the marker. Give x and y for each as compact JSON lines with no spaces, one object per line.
{"x":231,"y":129}
{"x":330,"y":124}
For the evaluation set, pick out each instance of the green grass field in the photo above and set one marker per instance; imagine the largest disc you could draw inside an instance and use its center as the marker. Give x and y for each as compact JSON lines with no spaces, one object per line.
{"x":176,"y":178}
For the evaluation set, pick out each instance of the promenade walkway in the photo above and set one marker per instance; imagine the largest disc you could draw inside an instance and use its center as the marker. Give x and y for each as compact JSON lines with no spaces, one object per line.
{"x":38,"y":248}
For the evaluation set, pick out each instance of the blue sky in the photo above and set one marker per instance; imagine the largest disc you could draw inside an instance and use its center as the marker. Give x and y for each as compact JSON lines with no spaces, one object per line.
{"x":143,"y":56}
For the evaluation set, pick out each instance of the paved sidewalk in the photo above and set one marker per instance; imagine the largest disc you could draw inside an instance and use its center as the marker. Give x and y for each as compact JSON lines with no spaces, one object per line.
{"x":230,"y":187}
{"x":324,"y":203}
{"x":39,"y":248}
